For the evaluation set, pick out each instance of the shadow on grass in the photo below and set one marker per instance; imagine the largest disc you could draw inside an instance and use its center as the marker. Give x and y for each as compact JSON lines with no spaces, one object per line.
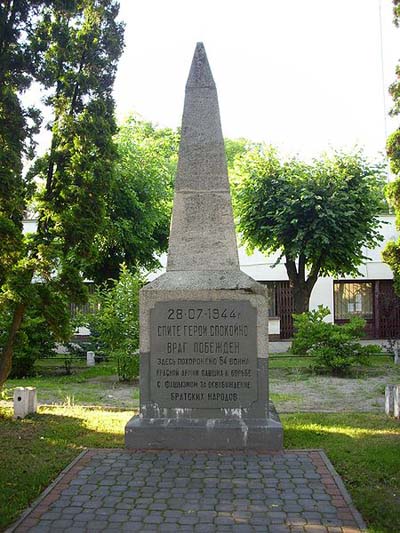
{"x":364,"y":449}
{"x":35,"y":450}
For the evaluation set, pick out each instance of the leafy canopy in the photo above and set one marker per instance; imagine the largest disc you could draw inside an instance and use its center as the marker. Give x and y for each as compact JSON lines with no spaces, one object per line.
{"x":324,"y":212}
{"x":17,"y":126}
{"x":138,"y":201}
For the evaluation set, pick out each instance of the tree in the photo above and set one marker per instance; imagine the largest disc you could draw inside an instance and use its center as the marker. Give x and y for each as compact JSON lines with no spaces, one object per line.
{"x":115,"y":325}
{"x":235,"y":149}
{"x":391,"y":253}
{"x":317,"y":216}
{"x":17,"y":126}
{"x":138,"y":201}
{"x":75,"y":47}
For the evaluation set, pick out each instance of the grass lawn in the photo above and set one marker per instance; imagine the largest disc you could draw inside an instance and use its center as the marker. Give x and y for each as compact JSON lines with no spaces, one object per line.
{"x":96,"y":385}
{"x":286,"y":360}
{"x":364,"y":448}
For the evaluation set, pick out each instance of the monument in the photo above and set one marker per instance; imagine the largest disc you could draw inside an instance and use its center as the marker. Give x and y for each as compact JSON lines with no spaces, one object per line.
{"x":204,"y":323}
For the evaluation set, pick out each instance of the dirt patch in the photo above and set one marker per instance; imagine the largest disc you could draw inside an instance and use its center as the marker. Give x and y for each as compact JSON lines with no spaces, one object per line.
{"x":292,"y":390}
{"x":307,"y":393}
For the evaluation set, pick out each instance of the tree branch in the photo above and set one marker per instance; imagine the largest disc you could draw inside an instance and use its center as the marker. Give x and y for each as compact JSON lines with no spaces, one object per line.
{"x":291,"y":270}
{"x":314,"y":272}
{"x":302,"y":268}
{"x":76,"y":87}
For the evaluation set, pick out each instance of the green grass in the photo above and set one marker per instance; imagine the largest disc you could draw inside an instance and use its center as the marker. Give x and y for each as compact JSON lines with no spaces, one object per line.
{"x":364,"y":449}
{"x":39,"y":447}
{"x":90,"y":386}
{"x":286,"y":360}
{"x":56,"y":366}
{"x":283,"y":397}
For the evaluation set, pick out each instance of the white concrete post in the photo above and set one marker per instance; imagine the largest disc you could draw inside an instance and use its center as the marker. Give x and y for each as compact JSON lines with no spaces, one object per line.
{"x":32,"y":399}
{"x":389,"y":400}
{"x":90,"y":360}
{"x":396,"y":401}
{"x":25,"y":401}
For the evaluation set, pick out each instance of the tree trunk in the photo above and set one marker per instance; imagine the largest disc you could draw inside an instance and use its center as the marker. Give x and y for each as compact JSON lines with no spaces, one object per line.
{"x":301,"y":298}
{"x":301,"y":288}
{"x":7,"y":353}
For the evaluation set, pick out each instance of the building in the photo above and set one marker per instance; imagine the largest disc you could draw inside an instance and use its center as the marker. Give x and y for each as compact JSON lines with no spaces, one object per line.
{"x":369,"y":295}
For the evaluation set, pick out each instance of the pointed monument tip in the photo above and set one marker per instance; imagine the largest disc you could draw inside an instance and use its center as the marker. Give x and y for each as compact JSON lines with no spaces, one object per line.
{"x":200,"y":72}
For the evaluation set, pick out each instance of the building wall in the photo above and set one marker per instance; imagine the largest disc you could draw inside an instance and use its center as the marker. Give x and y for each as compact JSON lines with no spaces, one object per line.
{"x":263,"y":268}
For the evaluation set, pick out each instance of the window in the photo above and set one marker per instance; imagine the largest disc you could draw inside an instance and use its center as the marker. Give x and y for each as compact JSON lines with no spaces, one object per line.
{"x":353,"y":299}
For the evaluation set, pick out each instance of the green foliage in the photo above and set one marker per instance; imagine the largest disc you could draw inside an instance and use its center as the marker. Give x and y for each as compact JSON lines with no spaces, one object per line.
{"x":235,"y":149}
{"x":73,"y":47}
{"x":326,"y":211}
{"x":394,"y":88}
{"x":115,"y":325}
{"x":318,"y":216}
{"x":79,"y":70}
{"x":17,"y":125}
{"x":334,"y":347}
{"x":138,"y":201}
{"x":35,"y":339}
{"x":391,"y":254}
{"x":310,"y":329}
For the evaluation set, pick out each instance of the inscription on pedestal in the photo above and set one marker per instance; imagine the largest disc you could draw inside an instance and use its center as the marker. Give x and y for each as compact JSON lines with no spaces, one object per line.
{"x":203,"y":354}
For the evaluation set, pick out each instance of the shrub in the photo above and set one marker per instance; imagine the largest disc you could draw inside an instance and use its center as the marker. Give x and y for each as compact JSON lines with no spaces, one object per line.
{"x":127,"y":363}
{"x":310,"y":328}
{"x":334,"y":348}
{"x":115,"y":325}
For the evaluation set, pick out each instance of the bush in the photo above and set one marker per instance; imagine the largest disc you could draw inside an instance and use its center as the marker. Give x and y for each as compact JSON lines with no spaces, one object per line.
{"x":310,"y":328}
{"x":333,"y":347}
{"x":115,"y":325}
{"x":127,"y":364}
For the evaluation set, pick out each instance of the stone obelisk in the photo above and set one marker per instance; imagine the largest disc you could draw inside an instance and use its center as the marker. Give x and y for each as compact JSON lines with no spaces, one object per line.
{"x":204,"y":323}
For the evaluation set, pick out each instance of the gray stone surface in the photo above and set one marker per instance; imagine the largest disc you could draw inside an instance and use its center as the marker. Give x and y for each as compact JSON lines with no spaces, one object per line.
{"x":196,"y":491}
{"x":202,"y":231}
{"x":210,"y":357}
{"x":199,"y":388}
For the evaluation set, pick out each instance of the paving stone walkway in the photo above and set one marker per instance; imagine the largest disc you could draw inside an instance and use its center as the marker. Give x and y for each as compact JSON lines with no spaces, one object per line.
{"x":161,"y":491}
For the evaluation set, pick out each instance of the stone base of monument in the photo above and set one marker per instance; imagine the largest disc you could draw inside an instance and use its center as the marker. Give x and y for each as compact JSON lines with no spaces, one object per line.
{"x":204,"y":365}
{"x":213,"y":434}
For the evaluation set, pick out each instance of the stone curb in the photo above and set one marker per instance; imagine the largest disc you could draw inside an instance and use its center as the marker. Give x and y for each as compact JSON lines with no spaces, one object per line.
{"x":46,"y":491}
{"x":329,"y":477}
{"x":338,"y":480}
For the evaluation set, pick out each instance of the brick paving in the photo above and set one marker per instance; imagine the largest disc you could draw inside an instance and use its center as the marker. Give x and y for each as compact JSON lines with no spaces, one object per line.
{"x":161,"y":491}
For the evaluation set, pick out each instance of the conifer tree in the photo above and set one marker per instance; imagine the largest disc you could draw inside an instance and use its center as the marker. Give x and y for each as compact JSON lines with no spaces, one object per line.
{"x":17,"y":125}
{"x":391,"y":254}
{"x":75,"y":47}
